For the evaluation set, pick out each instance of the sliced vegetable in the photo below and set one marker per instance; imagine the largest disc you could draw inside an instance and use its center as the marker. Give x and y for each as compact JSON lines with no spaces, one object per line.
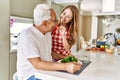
{"x":69,"y":59}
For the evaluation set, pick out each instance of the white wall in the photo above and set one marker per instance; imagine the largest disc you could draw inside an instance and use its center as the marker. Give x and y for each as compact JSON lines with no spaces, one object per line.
{"x":24,"y":8}
{"x":112,"y":28}
{"x":58,"y":8}
{"x":4,"y":39}
{"x":103,"y":28}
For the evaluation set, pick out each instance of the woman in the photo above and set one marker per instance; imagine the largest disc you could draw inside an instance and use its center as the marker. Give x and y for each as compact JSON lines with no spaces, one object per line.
{"x":65,"y":32}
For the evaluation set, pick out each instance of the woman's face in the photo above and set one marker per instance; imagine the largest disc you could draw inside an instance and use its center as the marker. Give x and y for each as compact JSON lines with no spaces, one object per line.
{"x":66,"y":16}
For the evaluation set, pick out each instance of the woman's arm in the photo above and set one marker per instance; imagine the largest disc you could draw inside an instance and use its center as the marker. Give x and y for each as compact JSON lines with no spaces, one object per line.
{"x":65,"y":42}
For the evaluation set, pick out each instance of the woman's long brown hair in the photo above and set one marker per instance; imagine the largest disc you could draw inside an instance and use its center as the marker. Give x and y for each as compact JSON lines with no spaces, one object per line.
{"x":73,"y":25}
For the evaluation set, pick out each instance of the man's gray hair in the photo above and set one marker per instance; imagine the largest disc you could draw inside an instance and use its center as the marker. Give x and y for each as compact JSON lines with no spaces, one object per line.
{"x":41,"y":13}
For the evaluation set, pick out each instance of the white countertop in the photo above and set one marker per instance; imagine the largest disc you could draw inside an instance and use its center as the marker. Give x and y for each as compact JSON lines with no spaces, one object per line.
{"x":102,"y":67}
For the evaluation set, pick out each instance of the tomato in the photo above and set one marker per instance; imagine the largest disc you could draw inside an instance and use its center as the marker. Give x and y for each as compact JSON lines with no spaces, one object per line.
{"x":101,"y":49}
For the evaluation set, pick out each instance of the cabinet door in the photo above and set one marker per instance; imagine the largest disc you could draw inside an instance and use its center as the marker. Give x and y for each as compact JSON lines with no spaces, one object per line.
{"x":13,"y":59}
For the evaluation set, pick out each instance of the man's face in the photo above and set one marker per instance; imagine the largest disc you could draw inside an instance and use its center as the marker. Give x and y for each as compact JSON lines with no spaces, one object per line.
{"x":51,"y":22}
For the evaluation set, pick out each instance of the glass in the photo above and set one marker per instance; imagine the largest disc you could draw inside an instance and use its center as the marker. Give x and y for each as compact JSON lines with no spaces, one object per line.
{"x":109,"y":50}
{"x":118,"y":49}
{"x":84,"y":57}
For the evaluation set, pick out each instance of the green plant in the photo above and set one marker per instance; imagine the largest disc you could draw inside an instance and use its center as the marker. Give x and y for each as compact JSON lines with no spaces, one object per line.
{"x":69,"y":59}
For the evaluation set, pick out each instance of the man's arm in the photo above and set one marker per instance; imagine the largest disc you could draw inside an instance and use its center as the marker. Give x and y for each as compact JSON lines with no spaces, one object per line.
{"x":46,"y":65}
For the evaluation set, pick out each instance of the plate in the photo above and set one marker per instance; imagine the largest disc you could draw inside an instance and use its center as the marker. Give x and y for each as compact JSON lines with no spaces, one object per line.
{"x":84,"y":65}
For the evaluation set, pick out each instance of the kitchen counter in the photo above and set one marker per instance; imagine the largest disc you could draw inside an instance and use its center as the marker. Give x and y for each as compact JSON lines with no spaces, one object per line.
{"x":102,"y":67}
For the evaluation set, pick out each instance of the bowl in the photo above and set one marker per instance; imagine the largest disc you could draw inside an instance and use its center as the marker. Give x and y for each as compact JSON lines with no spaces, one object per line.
{"x":109,"y":50}
{"x":99,"y":43}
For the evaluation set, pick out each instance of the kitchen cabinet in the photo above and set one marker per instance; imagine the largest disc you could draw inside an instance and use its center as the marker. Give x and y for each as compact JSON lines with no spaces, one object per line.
{"x":13,"y":59}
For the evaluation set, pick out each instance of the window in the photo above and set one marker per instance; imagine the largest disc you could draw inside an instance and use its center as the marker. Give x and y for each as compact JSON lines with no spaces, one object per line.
{"x":17,"y":25}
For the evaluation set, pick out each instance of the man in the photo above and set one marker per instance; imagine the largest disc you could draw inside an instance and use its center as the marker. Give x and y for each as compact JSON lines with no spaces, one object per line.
{"x":34,"y":46}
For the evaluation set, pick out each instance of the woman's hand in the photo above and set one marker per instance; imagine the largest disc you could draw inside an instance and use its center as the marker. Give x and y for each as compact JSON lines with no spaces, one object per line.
{"x":62,"y":30}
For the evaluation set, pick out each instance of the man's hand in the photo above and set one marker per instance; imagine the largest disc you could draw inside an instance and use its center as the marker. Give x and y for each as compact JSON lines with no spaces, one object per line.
{"x":73,"y":67}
